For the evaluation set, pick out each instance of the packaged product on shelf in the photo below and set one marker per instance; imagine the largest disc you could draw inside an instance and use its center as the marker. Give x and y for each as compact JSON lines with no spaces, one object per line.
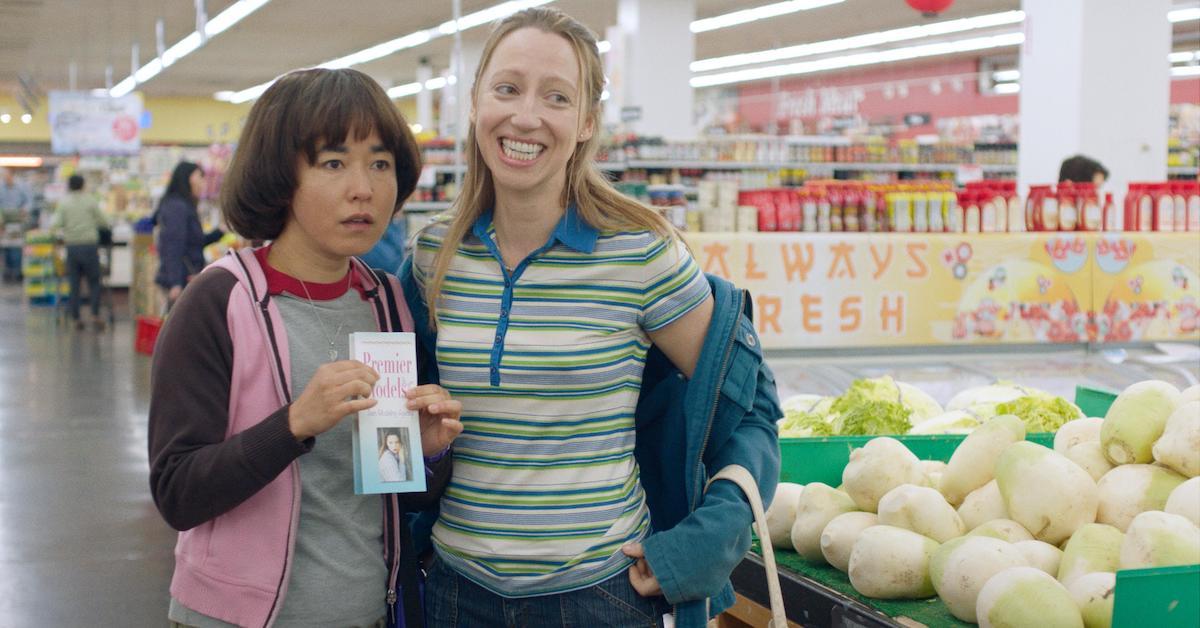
{"x":1089,"y":205}
{"x":870,"y":222}
{"x":808,"y":202}
{"x":1000,"y":203}
{"x":1016,"y":219}
{"x":706,"y":194}
{"x":1110,"y":214}
{"x":1179,"y":203}
{"x":920,"y":210}
{"x":823,"y":211}
{"x":955,"y":221}
{"x":836,"y":208}
{"x":1068,"y":213}
{"x":987,"y":211}
{"x":1143,"y":207}
{"x":900,"y":211}
{"x":1164,"y":204}
{"x":747,"y":218}
{"x":970,"y":204}
{"x":937,"y":216}
{"x":1193,"y":205}
{"x":850,"y":208}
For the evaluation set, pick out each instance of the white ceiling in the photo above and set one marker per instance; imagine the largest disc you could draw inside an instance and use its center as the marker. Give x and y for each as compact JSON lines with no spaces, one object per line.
{"x":41,"y":38}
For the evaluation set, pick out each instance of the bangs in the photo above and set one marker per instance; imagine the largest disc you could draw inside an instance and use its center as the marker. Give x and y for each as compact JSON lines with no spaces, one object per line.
{"x":347,"y":103}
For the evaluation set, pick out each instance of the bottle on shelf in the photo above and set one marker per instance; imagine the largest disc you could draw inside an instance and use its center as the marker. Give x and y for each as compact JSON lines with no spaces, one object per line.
{"x":1164,"y":208}
{"x":1110,"y":213}
{"x":1179,"y":203}
{"x":1068,"y":212}
{"x":1193,"y":205}
{"x":1091,"y":217}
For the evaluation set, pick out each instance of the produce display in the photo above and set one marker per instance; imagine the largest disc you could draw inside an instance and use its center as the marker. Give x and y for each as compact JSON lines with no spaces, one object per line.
{"x":883,"y":406}
{"x":1008,"y":532}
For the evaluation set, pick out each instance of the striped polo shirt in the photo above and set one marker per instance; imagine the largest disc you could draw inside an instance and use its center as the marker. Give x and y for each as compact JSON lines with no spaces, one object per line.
{"x":547,"y":362}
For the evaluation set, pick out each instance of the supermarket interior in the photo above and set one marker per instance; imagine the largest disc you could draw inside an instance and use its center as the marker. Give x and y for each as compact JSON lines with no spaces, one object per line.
{"x":968,"y":232}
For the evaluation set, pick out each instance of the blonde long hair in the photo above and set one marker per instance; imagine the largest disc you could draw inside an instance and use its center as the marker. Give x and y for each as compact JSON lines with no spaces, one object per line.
{"x":599,"y":204}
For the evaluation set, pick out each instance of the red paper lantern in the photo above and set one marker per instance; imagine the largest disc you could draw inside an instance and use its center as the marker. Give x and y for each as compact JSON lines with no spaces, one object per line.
{"x":930,"y":8}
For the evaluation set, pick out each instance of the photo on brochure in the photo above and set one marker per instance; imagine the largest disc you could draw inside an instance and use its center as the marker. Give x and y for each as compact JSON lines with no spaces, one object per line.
{"x":387,"y":437}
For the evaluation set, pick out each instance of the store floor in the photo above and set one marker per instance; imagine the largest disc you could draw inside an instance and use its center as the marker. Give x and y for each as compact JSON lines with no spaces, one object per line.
{"x":80,"y":541}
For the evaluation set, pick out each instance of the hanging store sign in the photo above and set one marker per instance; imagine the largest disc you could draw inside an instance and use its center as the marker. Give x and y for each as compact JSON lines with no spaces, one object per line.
{"x":81,"y":123}
{"x":833,"y":290}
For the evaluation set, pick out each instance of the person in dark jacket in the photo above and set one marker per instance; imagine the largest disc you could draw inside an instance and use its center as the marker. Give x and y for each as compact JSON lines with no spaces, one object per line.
{"x":181,"y":239}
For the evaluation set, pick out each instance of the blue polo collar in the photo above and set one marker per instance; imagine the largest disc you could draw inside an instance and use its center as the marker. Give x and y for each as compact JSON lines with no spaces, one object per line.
{"x":571,"y":230}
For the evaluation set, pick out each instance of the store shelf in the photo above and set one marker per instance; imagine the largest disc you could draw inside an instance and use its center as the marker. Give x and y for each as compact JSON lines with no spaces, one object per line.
{"x":613,"y":166}
{"x":426,"y":206}
{"x":806,"y":601}
{"x":827,"y":165}
{"x":1175,"y":170}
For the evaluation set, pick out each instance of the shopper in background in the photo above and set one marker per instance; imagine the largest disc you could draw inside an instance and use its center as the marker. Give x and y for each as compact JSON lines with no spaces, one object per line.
{"x":253,"y":396}
{"x":181,"y":239}
{"x":577,"y":494}
{"x":15,"y":205}
{"x":1081,"y":169}
{"x":79,"y":219}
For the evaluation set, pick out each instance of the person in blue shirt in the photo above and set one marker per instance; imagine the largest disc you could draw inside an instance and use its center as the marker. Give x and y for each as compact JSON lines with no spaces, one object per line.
{"x":15,"y":204}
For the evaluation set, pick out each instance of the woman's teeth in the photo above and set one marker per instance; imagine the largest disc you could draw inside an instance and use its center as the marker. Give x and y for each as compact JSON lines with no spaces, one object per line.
{"x":521,"y":150}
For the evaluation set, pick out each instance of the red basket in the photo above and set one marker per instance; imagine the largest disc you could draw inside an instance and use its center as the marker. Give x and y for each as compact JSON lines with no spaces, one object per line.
{"x":147,"y":333}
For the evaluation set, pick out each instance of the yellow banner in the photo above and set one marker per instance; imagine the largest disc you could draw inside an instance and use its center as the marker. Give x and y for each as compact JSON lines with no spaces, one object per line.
{"x":843,"y":290}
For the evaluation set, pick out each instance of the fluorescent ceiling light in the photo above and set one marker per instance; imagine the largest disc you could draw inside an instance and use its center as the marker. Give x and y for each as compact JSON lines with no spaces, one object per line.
{"x":861,"y":59}
{"x":860,"y":41}
{"x":1183,"y":15}
{"x":407,"y":89}
{"x":377,"y":51}
{"x":1006,"y":75}
{"x":16,"y":161}
{"x":410,"y":40}
{"x":603,"y":46}
{"x":1006,"y":88}
{"x":5,"y":118}
{"x":435,"y":83}
{"x":1185,"y":70}
{"x":231,"y":16}
{"x":757,"y":13}
{"x":1183,"y":57}
{"x":185,"y":47}
{"x":485,"y":16}
{"x":26,"y":118}
{"x":189,"y":44}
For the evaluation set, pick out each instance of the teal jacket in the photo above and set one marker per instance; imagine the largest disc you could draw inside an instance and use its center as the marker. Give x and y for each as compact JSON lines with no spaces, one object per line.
{"x":688,"y":430}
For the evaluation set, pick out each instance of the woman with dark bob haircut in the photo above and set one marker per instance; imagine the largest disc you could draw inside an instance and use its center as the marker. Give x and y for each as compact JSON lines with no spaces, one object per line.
{"x":253,"y":389}
{"x":181,"y":239}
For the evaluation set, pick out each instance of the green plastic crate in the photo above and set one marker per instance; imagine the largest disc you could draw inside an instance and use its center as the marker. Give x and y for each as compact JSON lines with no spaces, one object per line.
{"x":822,"y":459}
{"x":1094,"y":401}
{"x":1163,"y":597}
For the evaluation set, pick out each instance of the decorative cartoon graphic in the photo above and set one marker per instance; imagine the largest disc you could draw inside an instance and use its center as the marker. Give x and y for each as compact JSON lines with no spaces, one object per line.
{"x":1113,"y":253}
{"x":1020,"y":301}
{"x":1067,"y":253}
{"x":956,"y":259}
{"x":1154,"y":299}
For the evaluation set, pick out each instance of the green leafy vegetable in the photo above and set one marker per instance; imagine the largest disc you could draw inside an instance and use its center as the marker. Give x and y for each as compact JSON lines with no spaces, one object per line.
{"x":1041,"y":412}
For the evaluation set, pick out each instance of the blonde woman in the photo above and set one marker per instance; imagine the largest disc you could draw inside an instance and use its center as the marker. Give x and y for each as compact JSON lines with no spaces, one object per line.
{"x":602,"y":377}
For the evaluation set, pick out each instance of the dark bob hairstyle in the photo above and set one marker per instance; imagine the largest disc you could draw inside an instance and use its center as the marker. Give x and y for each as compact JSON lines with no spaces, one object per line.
{"x":300,"y":112}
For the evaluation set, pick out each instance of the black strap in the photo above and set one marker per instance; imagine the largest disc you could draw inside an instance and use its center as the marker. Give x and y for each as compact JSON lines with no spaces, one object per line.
{"x":390,"y":299}
{"x":410,"y":583}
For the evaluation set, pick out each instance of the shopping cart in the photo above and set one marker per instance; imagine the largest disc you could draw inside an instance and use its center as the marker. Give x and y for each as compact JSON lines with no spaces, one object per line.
{"x":63,"y":278}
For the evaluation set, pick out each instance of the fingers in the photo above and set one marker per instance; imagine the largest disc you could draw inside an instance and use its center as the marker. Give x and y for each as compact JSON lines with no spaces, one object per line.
{"x":354,"y":405}
{"x":633,"y":550}
{"x":646,"y":586}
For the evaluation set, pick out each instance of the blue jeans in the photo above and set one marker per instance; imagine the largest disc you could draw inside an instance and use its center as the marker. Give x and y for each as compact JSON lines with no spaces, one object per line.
{"x":454,"y":601}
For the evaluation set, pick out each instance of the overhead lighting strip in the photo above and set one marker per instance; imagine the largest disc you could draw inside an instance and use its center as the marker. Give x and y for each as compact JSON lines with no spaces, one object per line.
{"x":237,"y":12}
{"x":393,"y":46}
{"x":757,"y":13}
{"x":860,"y":59}
{"x":860,"y":41}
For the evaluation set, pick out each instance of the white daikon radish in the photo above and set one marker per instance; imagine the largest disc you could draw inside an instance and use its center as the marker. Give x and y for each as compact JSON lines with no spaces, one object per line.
{"x":1131,"y":489}
{"x":933,"y":470}
{"x":1025,"y":596}
{"x":983,"y":505}
{"x":1179,"y":445}
{"x":1093,"y":547}
{"x":922,"y":510}
{"x":1090,"y":456}
{"x":892,"y":563}
{"x":818,"y":505}
{"x":1136,"y":420}
{"x":1003,"y":529}
{"x":1094,"y":594}
{"x":839,"y":536}
{"x":1160,"y":539}
{"x":1044,"y":556}
{"x":1185,"y":501}
{"x":878,"y":467}
{"x":782,"y":514}
{"x":966,"y":567}
{"x":1191,"y":393}
{"x":1077,"y":431}
{"x":975,"y":458}
{"x":1045,"y":492}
